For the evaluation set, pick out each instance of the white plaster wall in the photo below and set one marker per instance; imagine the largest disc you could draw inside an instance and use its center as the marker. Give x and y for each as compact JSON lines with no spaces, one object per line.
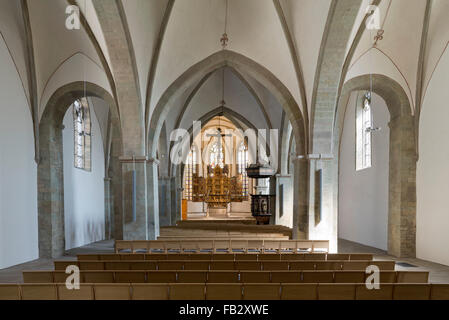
{"x":83,"y":191}
{"x":432,"y":221}
{"x":363,"y":195}
{"x":18,"y":170}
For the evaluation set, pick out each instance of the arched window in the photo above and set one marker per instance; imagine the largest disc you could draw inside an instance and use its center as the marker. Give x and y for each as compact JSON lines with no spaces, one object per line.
{"x":363,"y":137}
{"x":190,"y":170}
{"x":242,"y":164}
{"x":216,"y":156}
{"x":82,"y":134}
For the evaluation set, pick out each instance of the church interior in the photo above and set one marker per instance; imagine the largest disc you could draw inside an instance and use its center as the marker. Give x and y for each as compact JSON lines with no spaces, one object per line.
{"x":224,"y":150}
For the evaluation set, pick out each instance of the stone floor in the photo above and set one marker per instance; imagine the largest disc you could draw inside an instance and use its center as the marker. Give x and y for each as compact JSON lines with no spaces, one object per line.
{"x":438,"y":273}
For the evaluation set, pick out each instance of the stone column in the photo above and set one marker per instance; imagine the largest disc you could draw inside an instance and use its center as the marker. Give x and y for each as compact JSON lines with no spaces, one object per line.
{"x":176,"y":196}
{"x":165,"y":216}
{"x":402,"y":188}
{"x":140,"y":198}
{"x":301,"y":199}
{"x":108,"y":209}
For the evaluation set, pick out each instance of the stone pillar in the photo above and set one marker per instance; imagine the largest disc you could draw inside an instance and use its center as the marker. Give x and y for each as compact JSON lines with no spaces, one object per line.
{"x":402,"y":188}
{"x":176,"y":196}
{"x":108,"y":209}
{"x":140,"y":198}
{"x":165,"y":216}
{"x":300,"y":199}
{"x":51,"y":191}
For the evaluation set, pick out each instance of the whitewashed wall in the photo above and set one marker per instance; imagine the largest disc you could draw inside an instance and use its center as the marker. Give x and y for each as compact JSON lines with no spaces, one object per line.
{"x":363,"y":195}
{"x":83,"y":191}
{"x":432,"y":219}
{"x":18,"y":170}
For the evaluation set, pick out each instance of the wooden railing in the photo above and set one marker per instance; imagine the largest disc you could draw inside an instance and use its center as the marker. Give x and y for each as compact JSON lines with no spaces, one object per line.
{"x":222,"y":245}
{"x":229,"y":276}
{"x":224,"y":265}
{"x":231,"y":291}
{"x":229,"y":256}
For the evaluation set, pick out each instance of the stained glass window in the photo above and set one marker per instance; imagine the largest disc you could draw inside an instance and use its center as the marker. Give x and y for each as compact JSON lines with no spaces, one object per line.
{"x":364,"y":127}
{"x":82,"y":134}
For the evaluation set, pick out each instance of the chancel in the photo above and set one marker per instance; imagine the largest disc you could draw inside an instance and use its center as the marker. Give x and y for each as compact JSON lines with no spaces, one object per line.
{"x":224,"y":150}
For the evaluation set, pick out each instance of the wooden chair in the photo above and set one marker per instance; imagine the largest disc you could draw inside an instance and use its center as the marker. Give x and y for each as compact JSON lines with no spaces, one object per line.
{"x":39,"y":292}
{"x":177,"y":256}
{"x":270,"y":257}
{"x":112,"y":291}
{"x":288,"y":246}
{"x":140,"y":246}
{"x":255,"y":246}
{"x":255,"y":277}
{"x":354,"y":265}
{"x":302,"y":265}
{"x":37,"y":276}
{"x":149,"y":291}
{"x":385,"y":292}
{"x":91,"y":265}
{"x":360,"y":256}
{"x":412,"y":277}
{"x":123,"y":245}
{"x":9,"y":292}
{"x":192,"y":277}
{"x":98,"y":277}
{"x":206,"y":246}
{"x":261,"y":291}
{"x":275,"y":265}
{"x":161,"y":276}
{"x":62,"y":265}
{"x":411,"y":292}
{"x":271,"y":246}
{"x":222,"y":246}
{"x":290,"y":291}
{"x":190,"y":291}
{"x":117,"y":265}
{"x":88,"y":257}
{"x":224,"y":291}
{"x":387,"y":277}
{"x":130,"y":276}
{"x":438,"y":292}
{"x":156,"y":256}
{"x":337,"y":256}
{"x":349,"y":277}
{"x":304,"y":246}
{"x":189,"y":246}
{"x":328,"y":265}
{"x":170,"y":265}
{"x":142,"y":265}
{"x":222,"y":257}
{"x":336,"y":291}
{"x":315,"y":256}
{"x":155,"y":246}
{"x":222,"y":265}
{"x":248,"y":265}
{"x":61,"y":277}
{"x":246,"y":257}
{"x":384,"y":265}
{"x":317,"y":277}
{"x":200,"y":256}
{"x":85,"y":292}
{"x":173,"y":246}
{"x":196,"y":265}
{"x":292,"y":257}
{"x":239,"y":246}
{"x":285,"y":277}
{"x":110,"y":257}
{"x":132,"y":256}
{"x":320,"y":245}
{"x":223,"y":276}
